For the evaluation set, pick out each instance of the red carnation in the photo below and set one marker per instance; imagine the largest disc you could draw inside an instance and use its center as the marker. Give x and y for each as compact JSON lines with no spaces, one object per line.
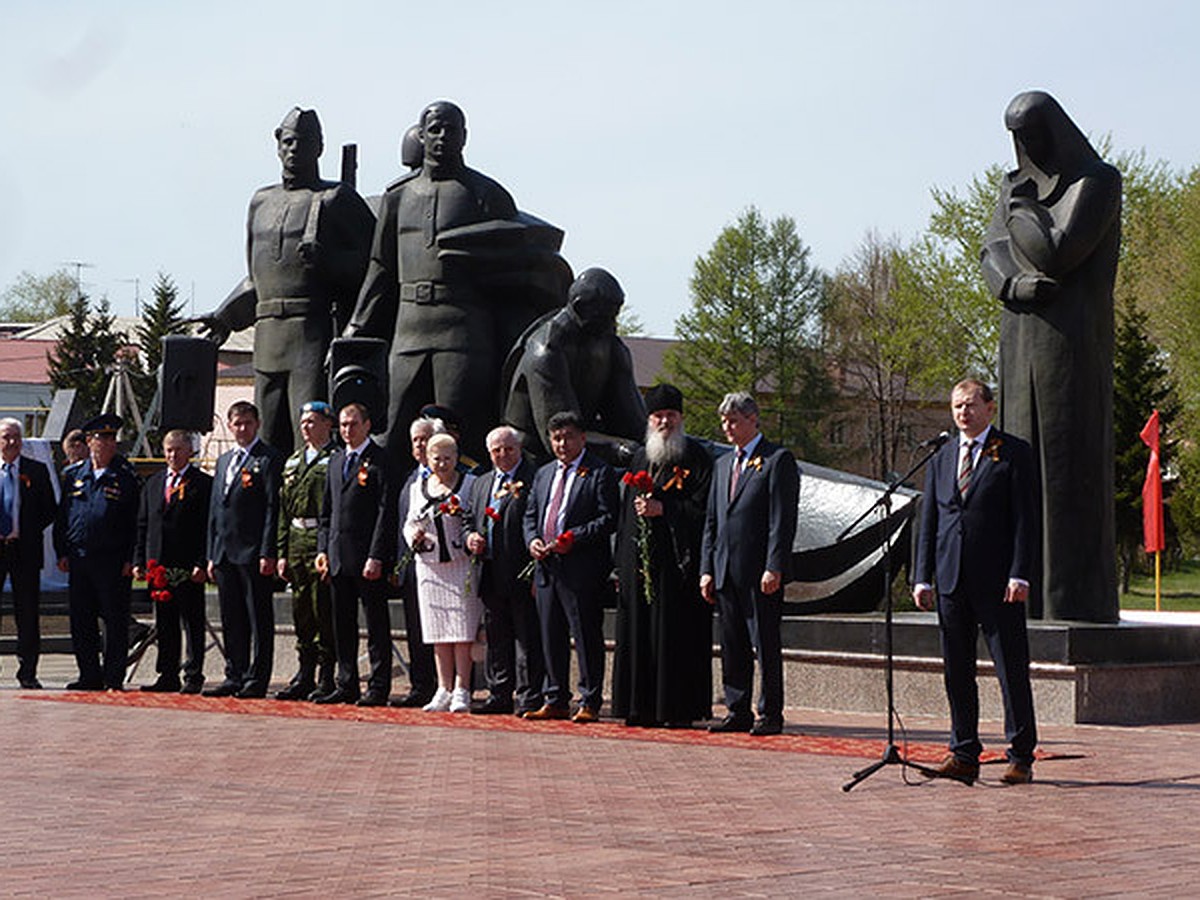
{"x":492,"y":514}
{"x":565,"y":542}
{"x":640,"y":481}
{"x":151,"y":564}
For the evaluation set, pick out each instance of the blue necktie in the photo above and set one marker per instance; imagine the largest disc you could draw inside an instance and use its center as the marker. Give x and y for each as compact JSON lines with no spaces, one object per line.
{"x":349,"y":467}
{"x":8,"y":491}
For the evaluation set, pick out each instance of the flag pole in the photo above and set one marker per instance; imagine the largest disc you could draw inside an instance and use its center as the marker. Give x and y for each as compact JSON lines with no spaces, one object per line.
{"x":1158,"y":581}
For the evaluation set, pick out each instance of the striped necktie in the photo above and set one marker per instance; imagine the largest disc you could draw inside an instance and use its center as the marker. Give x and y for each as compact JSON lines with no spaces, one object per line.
{"x":965,"y":469}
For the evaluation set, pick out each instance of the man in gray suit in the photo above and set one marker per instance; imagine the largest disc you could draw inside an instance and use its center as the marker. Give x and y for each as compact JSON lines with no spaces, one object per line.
{"x":744,"y":561}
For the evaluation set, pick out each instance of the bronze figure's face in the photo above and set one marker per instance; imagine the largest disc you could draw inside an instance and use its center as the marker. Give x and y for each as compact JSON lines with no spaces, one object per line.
{"x":298,"y":151}
{"x":443,"y":134}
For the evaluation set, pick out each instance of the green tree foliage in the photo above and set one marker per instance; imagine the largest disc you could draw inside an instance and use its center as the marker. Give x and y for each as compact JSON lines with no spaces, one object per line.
{"x":33,"y":298}
{"x":755,"y":324}
{"x":86,"y":351}
{"x":879,"y":336}
{"x":1141,"y":384}
{"x":161,"y":317}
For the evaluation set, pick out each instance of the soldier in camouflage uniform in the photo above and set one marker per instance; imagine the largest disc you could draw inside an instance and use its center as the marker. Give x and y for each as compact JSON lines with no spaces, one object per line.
{"x":299,"y":505}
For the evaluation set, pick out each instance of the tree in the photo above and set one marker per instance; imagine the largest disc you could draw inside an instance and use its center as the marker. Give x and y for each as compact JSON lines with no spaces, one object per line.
{"x":85,"y":353}
{"x":35,"y":299}
{"x":755,"y":324}
{"x":1141,"y":384}
{"x":162,"y":317}
{"x":629,"y":323}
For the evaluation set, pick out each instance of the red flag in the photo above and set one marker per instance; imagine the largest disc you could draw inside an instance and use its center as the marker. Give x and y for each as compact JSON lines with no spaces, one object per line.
{"x":1153,"y":534}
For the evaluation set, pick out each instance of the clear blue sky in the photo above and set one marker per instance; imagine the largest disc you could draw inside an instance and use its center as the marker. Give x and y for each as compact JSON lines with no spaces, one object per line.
{"x":133,"y":133}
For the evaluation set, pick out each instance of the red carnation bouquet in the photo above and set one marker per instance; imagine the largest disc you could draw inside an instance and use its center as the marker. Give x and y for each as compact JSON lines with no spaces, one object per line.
{"x":160,"y":579}
{"x":643,"y":483}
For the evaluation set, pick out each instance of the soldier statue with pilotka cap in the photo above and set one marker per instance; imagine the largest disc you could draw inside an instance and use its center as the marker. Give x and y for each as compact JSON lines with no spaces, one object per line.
{"x":307,"y":245}
{"x":94,"y":535}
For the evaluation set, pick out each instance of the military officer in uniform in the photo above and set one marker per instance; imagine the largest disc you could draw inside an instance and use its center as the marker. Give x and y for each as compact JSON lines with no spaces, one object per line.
{"x":299,"y":509}
{"x":94,"y":537}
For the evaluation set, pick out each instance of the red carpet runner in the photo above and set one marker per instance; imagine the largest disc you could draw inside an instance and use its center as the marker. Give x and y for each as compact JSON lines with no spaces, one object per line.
{"x":792,"y":741}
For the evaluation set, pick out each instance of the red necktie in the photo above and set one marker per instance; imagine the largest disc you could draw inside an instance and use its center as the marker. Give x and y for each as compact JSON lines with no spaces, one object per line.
{"x":550,"y":529}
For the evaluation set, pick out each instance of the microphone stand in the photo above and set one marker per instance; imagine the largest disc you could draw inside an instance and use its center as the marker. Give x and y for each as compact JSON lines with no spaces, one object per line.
{"x":891,"y":754}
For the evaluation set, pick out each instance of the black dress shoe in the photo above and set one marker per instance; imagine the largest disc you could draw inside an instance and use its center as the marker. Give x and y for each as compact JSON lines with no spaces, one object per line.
{"x":224,"y":689}
{"x":337,"y":696}
{"x":492,"y":706}
{"x":411,"y":700}
{"x":297,"y":690}
{"x":767,"y":725}
{"x":29,"y":684}
{"x":82,"y":685}
{"x":162,"y":686}
{"x":730,"y":723}
{"x":372,"y":698}
{"x":252,"y":692}
{"x":192,"y":686}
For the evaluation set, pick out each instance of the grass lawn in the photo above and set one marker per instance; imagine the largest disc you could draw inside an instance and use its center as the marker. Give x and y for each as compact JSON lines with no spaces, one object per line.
{"x":1180,"y":589}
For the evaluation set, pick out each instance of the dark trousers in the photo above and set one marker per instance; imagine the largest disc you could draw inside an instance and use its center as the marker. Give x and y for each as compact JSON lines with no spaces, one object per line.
{"x":96,"y":591}
{"x":347,"y":591}
{"x":279,"y":395}
{"x":20,"y":567}
{"x":1003,"y":626}
{"x":564,"y":614}
{"x":750,"y":623}
{"x":514,"y":663}
{"x":248,"y":622}
{"x":185,"y":607}
{"x":422,"y":672}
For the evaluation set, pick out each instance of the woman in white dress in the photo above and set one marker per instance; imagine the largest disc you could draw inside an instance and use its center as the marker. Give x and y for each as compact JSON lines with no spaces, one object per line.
{"x":447,"y":592}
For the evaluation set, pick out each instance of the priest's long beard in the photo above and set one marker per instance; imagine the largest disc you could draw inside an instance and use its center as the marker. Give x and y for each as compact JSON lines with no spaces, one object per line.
{"x":664,"y":450}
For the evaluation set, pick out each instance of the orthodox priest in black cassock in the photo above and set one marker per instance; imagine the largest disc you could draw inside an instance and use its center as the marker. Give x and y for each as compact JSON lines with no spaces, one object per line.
{"x":663,"y":669}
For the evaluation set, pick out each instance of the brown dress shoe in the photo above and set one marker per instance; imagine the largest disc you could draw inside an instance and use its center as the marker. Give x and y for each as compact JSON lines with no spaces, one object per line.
{"x":585,"y":714}
{"x":549,"y":712}
{"x":953,"y":767}
{"x":1017,"y":773}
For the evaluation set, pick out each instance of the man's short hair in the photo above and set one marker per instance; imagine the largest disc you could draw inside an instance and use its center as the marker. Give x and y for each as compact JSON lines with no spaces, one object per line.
{"x":363,"y":412}
{"x":435,"y":426}
{"x":9,"y":422}
{"x":178,"y":434}
{"x":505,"y":433}
{"x":567,"y":418}
{"x":241,"y":408}
{"x":738,"y":402}
{"x":75,"y":436}
{"x":974,"y":384}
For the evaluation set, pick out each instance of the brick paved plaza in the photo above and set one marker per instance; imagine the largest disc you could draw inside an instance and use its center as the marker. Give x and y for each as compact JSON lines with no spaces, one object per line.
{"x":116,"y":800}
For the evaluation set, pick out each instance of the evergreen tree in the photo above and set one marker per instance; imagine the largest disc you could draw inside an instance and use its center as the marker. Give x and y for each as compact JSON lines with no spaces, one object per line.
{"x":86,"y":352}
{"x":161,"y":317}
{"x":755,"y":324}
{"x":1141,"y":384}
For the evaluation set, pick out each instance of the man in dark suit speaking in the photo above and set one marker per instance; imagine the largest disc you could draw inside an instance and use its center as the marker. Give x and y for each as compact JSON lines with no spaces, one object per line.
{"x":26,"y":507}
{"x":976,"y":546}
{"x":744,"y":560}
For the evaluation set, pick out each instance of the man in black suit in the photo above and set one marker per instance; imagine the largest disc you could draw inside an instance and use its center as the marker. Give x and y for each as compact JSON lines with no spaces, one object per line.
{"x":976,"y":547}
{"x":26,"y":507}
{"x":569,"y":519}
{"x":356,"y":541}
{"x":242,"y":519}
{"x":171,"y":524}
{"x":94,"y":533}
{"x":744,"y":561}
{"x":514,"y":646}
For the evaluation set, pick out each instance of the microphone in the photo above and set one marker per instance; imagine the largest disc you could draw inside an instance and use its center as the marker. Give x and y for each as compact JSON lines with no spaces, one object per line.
{"x":934,"y":441}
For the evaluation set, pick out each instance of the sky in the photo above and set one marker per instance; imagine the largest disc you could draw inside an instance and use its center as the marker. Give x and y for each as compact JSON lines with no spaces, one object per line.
{"x":132,"y":134}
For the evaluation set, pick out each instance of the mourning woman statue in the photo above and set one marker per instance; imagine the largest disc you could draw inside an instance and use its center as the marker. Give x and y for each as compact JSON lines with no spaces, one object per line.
{"x":1050,"y":256}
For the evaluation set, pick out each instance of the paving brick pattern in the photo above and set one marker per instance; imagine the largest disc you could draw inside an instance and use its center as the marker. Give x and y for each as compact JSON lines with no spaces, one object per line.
{"x":101,"y":800}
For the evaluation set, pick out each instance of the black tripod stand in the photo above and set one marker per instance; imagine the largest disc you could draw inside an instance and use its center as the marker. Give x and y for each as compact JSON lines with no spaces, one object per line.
{"x":891,"y":754}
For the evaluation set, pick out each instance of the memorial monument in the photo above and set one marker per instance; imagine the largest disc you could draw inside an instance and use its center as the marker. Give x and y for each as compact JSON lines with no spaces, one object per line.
{"x":307,"y":246}
{"x":1050,"y":256}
